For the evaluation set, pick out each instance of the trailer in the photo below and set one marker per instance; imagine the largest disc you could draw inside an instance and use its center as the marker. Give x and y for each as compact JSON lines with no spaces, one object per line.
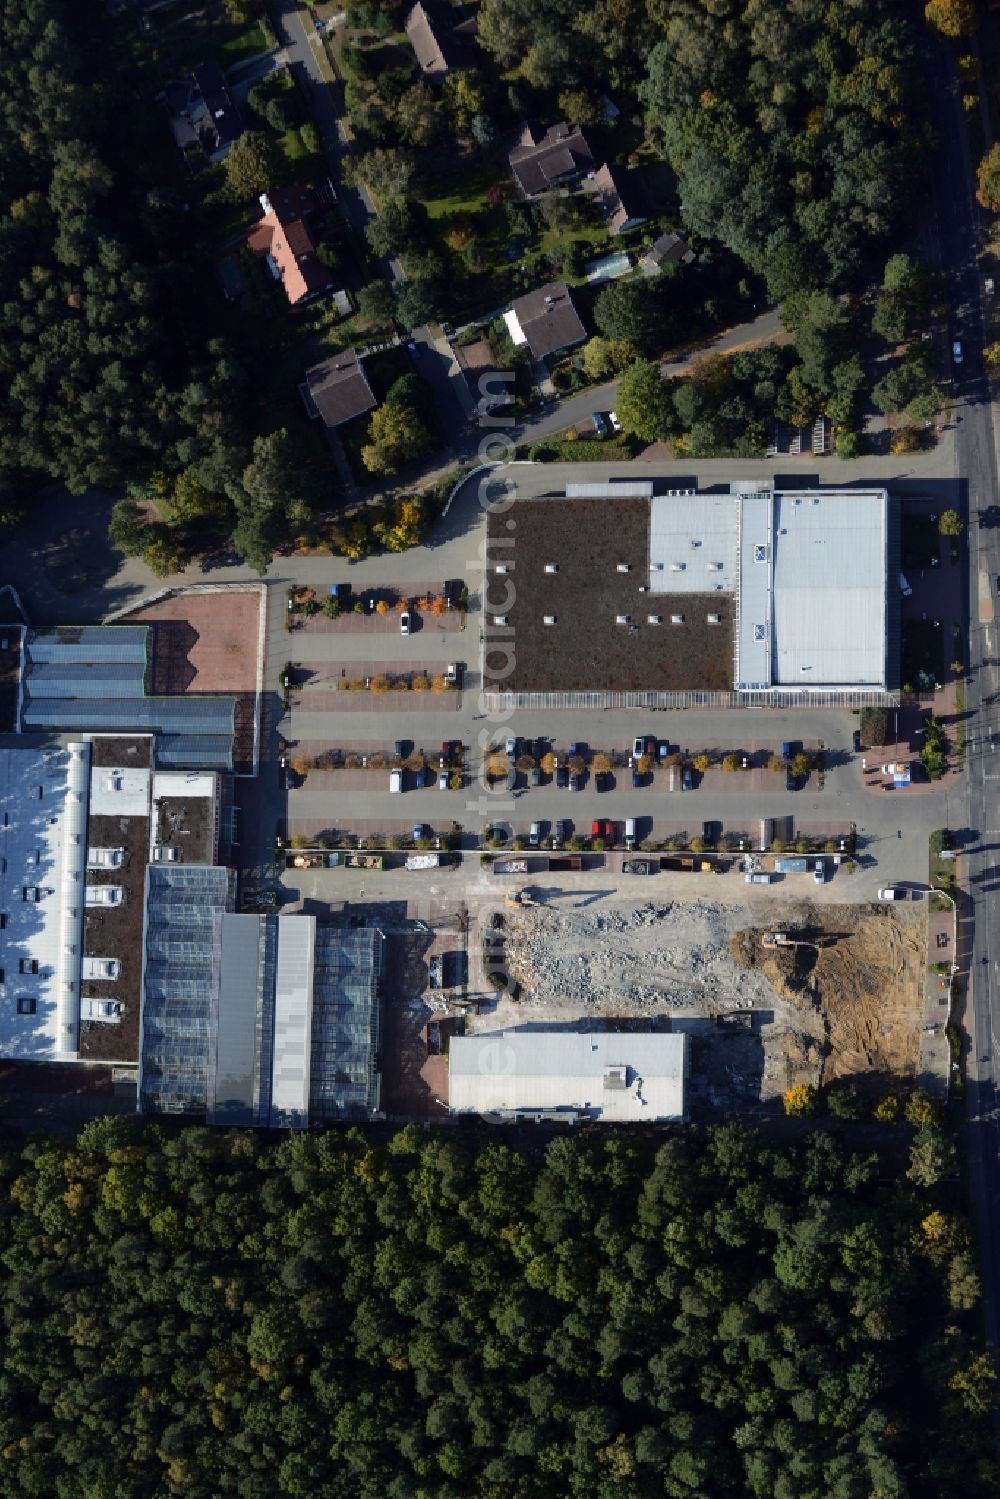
{"x":423,"y":861}
{"x":640,"y":866}
{"x":560,"y":863}
{"x":365,"y":861}
{"x":791,"y":866}
{"x":510,"y":866}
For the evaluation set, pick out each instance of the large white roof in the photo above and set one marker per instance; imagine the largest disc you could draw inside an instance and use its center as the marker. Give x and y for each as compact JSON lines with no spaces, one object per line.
{"x":43,"y":842}
{"x":830,"y":588}
{"x":692,"y":542}
{"x":616,"y":1077}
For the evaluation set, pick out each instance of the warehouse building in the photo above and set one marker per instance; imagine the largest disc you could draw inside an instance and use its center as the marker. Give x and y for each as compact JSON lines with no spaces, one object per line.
{"x":630,"y":596}
{"x":636,"y":1077}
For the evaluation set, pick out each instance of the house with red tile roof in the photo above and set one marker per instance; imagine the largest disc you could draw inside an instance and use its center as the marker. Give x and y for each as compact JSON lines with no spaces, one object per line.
{"x":284,"y":238}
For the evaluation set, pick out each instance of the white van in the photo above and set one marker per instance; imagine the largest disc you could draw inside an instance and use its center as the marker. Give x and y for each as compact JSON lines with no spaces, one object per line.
{"x":630,"y":832}
{"x":891,"y":893}
{"x":395,"y":780}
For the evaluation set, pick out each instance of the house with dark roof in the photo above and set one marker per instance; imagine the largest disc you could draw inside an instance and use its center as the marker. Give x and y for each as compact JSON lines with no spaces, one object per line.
{"x":337,"y":390}
{"x":202,"y":114}
{"x":489,"y":388}
{"x":284,"y":238}
{"x":442,"y":38}
{"x":620,"y":195}
{"x":665,"y":250}
{"x":545,"y":320}
{"x":553,"y":158}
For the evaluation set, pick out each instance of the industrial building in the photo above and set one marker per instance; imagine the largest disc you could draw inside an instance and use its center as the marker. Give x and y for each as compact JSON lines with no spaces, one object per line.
{"x":750,"y":595}
{"x":119,"y":936}
{"x":636,"y":1077}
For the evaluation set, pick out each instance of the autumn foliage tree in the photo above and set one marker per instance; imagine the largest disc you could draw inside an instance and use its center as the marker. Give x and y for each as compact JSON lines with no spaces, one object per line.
{"x":952,"y":18}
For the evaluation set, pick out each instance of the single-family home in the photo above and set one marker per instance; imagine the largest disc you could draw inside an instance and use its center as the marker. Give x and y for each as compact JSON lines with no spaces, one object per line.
{"x":545,"y":320}
{"x":202,"y":113}
{"x":663,"y":251}
{"x":337,"y":390}
{"x":490,"y":388}
{"x":621,"y":197}
{"x":544,"y":160}
{"x":283,"y":237}
{"x":442,"y":38}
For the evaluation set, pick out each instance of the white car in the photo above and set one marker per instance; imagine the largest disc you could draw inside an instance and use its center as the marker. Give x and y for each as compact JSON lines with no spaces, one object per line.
{"x":395,"y":780}
{"x":404,"y":624}
{"x":891,"y":893}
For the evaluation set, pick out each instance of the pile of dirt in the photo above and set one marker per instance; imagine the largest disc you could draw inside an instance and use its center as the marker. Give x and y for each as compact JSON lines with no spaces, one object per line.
{"x":861,"y":969}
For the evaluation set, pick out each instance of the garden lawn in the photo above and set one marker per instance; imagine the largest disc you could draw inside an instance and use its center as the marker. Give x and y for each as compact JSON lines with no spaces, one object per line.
{"x":241,"y":45}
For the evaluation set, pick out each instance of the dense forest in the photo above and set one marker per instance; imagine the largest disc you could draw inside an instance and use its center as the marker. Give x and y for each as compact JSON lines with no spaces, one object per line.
{"x":446,"y":1316}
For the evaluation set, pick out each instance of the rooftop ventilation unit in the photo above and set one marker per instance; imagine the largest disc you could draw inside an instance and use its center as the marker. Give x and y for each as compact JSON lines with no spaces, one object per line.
{"x":695,"y":543}
{"x":622,"y":619}
{"x":548,"y":619}
{"x":676,"y":619}
{"x":551,"y":567}
{"x":759,"y":633}
{"x":624,"y":567}
{"x":715,"y":619}
{"x":643,"y":587}
{"x":654,"y":619}
{"x":760,"y":552}
{"x":677,"y":567}
{"x":714,"y":567}
{"x":657,"y":567}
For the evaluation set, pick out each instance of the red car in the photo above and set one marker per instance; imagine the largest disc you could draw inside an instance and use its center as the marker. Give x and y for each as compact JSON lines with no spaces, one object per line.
{"x":601,"y":827}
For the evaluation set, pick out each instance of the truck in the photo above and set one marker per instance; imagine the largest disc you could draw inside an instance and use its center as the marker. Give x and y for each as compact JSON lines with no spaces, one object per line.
{"x":510,"y":866}
{"x":423,"y":861}
{"x":791,"y":866}
{"x":365,"y":861}
{"x":640,"y":866}
{"x":563,"y":862}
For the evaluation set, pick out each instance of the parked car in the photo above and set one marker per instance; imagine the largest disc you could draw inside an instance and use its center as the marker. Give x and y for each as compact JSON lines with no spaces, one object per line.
{"x":637,"y":747}
{"x":510,"y":746}
{"x":956,"y":351}
{"x":650,"y":747}
{"x":575,"y":782}
{"x":404,"y":623}
{"x":600,"y":425}
{"x":630,"y":832}
{"x":535,"y":836}
{"x":762,"y":877}
{"x":788,"y":749}
{"x":687,"y":779}
{"x":791,"y":781}
{"x":636,"y":778}
{"x":562,"y":777}
{"x":534,"y":776}
{"x":443,"y":780}
{"x":420,"y":830}
{"x":395,"y":780}
{"x":663,"y":749}
{"x":399,"y":749}
{"x":819,"y":872}
{"x":602,"y":827}
{"x":857,"y":741}
{"x":616,"y":425}
{"x":892,"y":892}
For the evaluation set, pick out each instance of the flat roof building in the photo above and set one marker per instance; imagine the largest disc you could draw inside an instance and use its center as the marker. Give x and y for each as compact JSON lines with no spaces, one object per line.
{"x":755,"y":592}
{"x":633,"y":1077}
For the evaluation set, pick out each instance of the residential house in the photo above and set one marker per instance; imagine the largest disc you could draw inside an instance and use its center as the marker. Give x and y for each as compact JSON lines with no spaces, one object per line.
{"x":202,"y":113}
{"x":337,"y":390}
{"x":620,"y":195}
{"x":442,"y":38}
{"x":665,"y":250}
{"x":284,"y":238}
{"x":490,"y":389}
{"x":545,"y":320}
{"x":541,"y":161}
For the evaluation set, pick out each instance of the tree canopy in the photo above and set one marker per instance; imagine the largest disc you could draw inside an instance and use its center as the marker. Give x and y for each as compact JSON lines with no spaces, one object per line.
{"x":197,"y":1313}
